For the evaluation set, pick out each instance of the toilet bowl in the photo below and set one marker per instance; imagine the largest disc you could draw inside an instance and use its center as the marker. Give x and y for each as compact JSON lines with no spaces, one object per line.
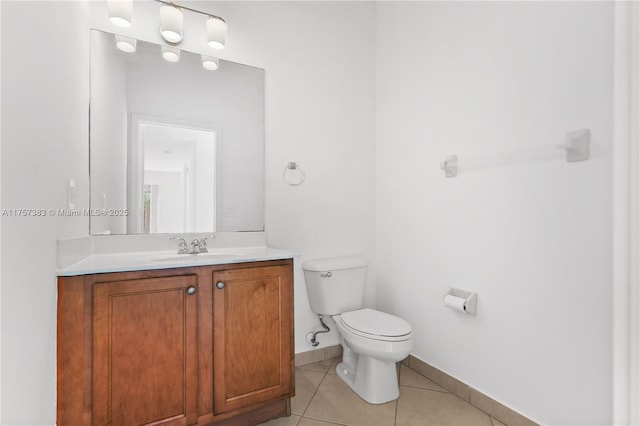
{"x":372,"y":341}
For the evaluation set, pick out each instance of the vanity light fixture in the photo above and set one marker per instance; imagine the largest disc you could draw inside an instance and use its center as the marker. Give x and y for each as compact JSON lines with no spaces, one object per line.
{"x":171,"y":20}
{"x":209,"y":63}
{"x":216,"y":32}
{"x":120,"y":12}
{"x":126,"y":44}
{"x":170,"y":54}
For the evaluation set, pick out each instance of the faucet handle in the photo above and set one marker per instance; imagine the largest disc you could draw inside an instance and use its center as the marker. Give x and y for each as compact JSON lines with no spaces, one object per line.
{"x":203,"y":243}
{"x":182,"y":244}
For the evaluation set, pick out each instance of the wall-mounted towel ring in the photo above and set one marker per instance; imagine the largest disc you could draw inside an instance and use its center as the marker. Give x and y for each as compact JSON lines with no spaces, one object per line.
{"x":293,"y":175}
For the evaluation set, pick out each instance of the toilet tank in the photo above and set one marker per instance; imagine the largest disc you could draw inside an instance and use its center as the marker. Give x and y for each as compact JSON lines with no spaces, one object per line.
{"x":335,"y":285}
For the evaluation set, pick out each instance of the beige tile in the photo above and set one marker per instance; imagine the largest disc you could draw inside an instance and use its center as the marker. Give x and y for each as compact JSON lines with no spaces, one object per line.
{"x":283,"y":421}
{"x":411,"y":378}
{"x":320,"y":366}
{"x":336,"y":402}
{"x":441,"y":378}
{"x":313,"y":422}
{"x":310,"y":357}
{"x":421,"y":407}
{"x":334,"y":364}
{"x":424,"y":369}
{"x":306,"y":384}
{"x":497,"y":422}
{"x":498,"y":411}
{"x":333,"y":351}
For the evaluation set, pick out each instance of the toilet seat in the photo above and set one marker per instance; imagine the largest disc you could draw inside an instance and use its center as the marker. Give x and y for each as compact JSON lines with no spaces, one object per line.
{"x":376,"y":325}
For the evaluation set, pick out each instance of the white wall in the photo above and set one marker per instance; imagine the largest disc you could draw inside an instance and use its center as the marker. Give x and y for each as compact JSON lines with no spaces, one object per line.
{"x":204,"y":210}
{"x":170,"y":199}
{"x":499,"y":84}
{"x":44,"y":141}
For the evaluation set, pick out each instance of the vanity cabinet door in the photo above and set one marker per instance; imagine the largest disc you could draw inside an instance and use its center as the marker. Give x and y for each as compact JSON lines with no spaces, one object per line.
{"x":145,"y":351}
{"x":252,"y":336}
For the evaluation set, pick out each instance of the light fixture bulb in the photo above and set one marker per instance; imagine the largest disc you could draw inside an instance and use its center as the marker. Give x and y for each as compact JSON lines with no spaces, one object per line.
{"x":120,"y":12}
{"x":126,"y":44}
{"x":171,"y":54}
{"x":209,"y":63}
{"x":171,"y":20}
{"x":216,"y":32}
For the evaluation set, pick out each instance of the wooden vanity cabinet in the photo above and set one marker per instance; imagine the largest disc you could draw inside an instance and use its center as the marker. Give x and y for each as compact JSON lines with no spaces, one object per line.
{"x":252,"y":323}
{"x":145,"y":351}
{"x":198,"y":345}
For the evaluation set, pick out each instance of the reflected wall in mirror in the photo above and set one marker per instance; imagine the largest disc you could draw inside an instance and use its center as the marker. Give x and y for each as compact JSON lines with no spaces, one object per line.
{"x":178,"y":146}
{"x":174,"y":166}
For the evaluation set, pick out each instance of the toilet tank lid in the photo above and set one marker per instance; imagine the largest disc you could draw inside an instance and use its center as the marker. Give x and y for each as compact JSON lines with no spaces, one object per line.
{"x":334,"y":263}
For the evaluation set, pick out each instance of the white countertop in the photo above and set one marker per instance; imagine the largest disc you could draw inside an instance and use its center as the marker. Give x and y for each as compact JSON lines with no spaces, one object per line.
{"x":140,"y":261}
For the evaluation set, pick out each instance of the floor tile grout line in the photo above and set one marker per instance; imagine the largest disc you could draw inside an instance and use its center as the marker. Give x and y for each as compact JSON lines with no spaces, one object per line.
{"x":396,"y":407}
{"x":432,"y":390}
{"x":324,"y":421}
{"x":395,"y":415}
{"x":315,"y":371}
{"x":458,"y":396}
{"x":462,"y":399}
{"x":303,"y":415}
{"x":313,"y":396}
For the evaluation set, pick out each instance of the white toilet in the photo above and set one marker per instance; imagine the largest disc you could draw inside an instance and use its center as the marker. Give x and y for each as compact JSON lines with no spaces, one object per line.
{"x":372,"y":341}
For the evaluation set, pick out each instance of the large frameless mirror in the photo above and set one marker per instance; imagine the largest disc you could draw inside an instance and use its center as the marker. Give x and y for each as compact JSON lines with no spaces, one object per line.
{"x":174,"y":147}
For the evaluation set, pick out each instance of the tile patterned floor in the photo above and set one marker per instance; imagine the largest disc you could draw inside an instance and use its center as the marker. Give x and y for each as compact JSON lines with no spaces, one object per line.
{"x":322,"y":399}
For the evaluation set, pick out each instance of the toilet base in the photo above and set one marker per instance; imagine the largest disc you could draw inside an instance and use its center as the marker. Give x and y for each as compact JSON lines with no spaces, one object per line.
{"x":374,"y":380}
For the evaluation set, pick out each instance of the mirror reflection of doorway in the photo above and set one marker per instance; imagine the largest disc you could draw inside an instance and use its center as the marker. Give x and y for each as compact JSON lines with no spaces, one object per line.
{"x":177,"y":177}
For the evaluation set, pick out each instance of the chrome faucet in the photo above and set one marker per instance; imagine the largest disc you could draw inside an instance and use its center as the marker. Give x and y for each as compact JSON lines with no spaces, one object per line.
{"x":194,"y":247}
{"x":199,"y":246}
{"x":182,"y":245}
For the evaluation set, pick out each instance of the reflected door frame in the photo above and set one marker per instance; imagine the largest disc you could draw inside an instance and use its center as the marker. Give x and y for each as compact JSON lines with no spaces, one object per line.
{"x":135,"y":166}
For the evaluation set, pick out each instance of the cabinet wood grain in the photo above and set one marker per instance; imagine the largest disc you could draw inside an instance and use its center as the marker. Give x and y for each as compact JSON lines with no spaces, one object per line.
{"x":145,"y":352}
{"x":252,"y":339}
{"x":137,"y":348}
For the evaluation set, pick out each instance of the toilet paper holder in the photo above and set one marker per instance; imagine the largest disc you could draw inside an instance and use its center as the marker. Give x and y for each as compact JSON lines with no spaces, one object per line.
{"x":462,"y":300}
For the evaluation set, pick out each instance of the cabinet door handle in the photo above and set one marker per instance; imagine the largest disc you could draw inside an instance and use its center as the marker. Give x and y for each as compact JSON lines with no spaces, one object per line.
{"x":220,"y":285}
{"x":191,"y":290}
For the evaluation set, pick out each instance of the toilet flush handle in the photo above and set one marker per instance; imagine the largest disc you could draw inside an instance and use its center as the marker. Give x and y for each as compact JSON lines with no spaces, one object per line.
{"x":326,"y":274}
